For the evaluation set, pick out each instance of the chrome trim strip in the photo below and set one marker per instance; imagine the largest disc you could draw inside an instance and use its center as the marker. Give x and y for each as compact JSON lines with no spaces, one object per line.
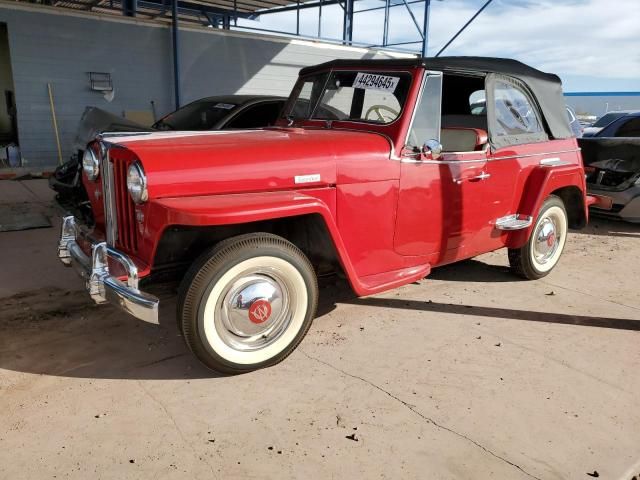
{"x":108,"y":190}
{"x":495,"y":159}
{"x":553,"y":162}
{"x":101,"y":285}
{"x":442,"y":162}
{"x":488,"y":159}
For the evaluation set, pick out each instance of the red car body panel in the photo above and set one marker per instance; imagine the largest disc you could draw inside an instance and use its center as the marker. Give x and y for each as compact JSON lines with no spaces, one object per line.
{"x":390,"y":219}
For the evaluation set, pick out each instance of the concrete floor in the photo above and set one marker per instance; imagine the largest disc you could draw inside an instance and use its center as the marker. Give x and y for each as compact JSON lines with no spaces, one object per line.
{"x":468,"y":374}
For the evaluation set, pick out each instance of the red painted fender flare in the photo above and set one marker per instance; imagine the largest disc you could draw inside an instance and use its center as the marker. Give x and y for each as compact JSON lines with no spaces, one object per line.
{"x":212,"y":210}
{"x":542,"y":182}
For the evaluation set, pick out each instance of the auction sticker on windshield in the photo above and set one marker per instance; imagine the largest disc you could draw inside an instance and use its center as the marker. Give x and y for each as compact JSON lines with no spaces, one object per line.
{"x":374,"y":81}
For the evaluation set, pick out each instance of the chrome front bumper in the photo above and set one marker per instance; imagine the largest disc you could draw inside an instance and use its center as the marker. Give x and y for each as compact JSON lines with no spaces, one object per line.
{"x":102,"y":286}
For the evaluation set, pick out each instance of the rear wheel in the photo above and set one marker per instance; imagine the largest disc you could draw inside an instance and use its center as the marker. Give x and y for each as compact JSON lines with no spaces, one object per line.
{"x":247,"y":303}
{"x":543,"y":250}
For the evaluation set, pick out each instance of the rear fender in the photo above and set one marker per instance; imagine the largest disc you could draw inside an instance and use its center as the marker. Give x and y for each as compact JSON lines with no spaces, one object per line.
{"x":542,"y":182}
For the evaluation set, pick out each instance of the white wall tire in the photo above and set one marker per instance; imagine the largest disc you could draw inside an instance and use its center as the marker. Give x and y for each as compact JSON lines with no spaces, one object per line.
{"x":546,"y":243}
{"x":247,"y":303}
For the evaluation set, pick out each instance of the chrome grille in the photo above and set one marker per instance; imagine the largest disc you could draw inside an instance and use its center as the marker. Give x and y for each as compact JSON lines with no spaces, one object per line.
{"x":108,"y":190}
{"x":127,"y":238}
{"x":119,"y":209}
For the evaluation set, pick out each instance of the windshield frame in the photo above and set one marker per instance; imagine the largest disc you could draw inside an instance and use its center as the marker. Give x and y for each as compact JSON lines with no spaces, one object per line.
{"x":295,"y":93}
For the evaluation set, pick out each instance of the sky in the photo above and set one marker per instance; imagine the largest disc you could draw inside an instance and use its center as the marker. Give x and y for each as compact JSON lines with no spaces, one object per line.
{"x":593,"y":45}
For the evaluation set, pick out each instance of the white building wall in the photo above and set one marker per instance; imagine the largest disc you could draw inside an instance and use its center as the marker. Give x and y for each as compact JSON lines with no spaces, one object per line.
{"x":51,"y":45}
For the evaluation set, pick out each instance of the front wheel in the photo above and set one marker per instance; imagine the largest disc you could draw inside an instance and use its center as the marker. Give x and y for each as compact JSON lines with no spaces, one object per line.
{"x":247,"y":303}
{"x":541,"y":253}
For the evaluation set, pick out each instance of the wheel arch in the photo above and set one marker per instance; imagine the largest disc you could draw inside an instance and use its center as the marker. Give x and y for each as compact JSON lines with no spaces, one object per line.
{"x":180,"y":245}
{"x":574,"y":204}
{"x":565,"y":182}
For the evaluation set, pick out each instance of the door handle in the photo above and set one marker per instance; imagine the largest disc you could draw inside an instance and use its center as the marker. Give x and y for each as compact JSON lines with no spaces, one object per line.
{"x":477,"y":178}
{"x":481,"y":176}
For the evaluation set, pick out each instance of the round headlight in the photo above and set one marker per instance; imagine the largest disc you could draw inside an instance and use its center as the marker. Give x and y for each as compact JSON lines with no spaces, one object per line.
{"x":90,"y":164}
{"x":137,"y":183}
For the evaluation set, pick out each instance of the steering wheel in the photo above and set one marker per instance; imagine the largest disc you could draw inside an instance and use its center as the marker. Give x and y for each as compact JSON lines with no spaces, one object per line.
{"x":378,"y":109}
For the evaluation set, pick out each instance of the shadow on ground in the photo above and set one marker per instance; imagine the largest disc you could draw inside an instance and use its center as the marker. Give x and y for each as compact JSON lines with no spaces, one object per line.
{"x":610,"y":228}
{"x":62,"y":333}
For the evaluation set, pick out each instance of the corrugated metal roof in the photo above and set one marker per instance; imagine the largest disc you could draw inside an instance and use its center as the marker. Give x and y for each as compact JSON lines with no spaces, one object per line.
{"x":189,"y":10}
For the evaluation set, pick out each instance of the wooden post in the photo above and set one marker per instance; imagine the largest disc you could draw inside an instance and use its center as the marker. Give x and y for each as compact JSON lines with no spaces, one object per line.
{"x":55,"y":123}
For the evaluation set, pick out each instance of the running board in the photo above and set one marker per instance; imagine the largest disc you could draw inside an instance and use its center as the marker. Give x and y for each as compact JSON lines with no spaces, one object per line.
{"x":514,"y":222}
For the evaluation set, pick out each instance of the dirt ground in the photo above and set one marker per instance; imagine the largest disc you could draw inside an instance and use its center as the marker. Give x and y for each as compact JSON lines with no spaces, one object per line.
{"x":467,"y":374}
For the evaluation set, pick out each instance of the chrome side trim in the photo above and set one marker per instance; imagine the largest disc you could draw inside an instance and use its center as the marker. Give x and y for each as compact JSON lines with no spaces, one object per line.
{"x":108,"y":189}
{"x":441,"y":162}
{"x":515,"y":221}
{"x":553,"y":162}
{"x":101,"y":285}
{"x":489,"y":159}
{"x":495,"y":159}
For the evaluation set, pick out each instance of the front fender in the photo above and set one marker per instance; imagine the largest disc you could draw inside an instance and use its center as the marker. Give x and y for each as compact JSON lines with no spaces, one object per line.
{"x":542,"y":182}
{"x":210,"y":210}
{"x":219,"y":210}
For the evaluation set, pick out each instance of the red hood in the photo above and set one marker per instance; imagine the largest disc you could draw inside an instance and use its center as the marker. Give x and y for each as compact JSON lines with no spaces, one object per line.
{"x":201,"y":163}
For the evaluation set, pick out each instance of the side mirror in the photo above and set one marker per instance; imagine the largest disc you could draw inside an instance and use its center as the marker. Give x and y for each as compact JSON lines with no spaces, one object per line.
{"x":431,"y":150}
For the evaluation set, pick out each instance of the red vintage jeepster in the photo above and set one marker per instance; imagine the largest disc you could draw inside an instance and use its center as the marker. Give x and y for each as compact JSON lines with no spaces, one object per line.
{"x":380,"y":169}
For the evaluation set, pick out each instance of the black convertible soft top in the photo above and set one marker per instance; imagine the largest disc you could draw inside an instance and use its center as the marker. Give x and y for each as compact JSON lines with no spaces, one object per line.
{"x":546,"y":87}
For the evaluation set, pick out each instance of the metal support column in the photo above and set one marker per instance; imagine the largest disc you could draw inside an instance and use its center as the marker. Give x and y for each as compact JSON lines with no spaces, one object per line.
{"x":129,"y":8}
{"x":425,"y":27}
{"x":320,"y":19}
{"x":464,"y":27}
{"x":385,"y":32}
{"x":347,"y":27}
{"x":176,"y":53}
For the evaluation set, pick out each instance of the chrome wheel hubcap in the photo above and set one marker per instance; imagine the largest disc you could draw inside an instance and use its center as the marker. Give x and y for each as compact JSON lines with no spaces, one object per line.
{"x":253,"y":310}
{"x":547,"y":240}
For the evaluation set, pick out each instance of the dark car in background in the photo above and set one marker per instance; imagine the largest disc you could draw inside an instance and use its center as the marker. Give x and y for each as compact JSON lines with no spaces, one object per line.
{"x":626,"y":126}
{"x":223,"y":112}
{"x":210,"y":113}
{"x":603,"y":121}
{"x":612,"y":165}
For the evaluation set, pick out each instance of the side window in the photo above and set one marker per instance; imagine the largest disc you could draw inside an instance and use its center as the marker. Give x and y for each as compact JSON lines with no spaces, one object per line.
{"x":256,"y":116}
{"x":630,"y":129}
{"x":514,"y":113}
{"x":426,"y":122}
{"x":478,"y":103}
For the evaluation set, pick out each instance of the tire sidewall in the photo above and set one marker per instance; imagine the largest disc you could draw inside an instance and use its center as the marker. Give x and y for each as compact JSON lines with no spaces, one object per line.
{"x":200,"y":291}
{"x":551,"y":205}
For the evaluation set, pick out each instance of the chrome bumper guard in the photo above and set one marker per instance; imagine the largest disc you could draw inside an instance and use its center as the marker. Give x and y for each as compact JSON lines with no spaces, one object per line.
{"x":102,"y":286}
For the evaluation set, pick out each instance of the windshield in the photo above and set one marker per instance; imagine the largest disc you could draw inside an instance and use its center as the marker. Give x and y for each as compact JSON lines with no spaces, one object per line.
{"x":372,"y":97}
{"x":200,"y":115}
